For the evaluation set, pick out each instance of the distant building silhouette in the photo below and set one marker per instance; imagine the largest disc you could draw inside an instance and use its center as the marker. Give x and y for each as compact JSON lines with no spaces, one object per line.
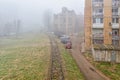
{"x":66,"y":22}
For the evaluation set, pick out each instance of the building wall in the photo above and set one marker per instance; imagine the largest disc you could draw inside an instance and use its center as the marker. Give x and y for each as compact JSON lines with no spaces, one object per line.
{"x":65,"y":22}
{"x":107,"y":25}
{"x":107,"y":56}
{"x":107,"y":21}
{"x":88,"y":23}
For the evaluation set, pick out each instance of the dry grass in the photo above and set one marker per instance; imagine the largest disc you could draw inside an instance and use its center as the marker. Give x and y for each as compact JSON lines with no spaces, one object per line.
{"x":26,"y":58}
{"x":110,"y":70}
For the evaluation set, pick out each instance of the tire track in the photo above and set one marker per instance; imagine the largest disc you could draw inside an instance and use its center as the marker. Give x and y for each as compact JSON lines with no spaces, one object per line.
{"x":56,"y":70}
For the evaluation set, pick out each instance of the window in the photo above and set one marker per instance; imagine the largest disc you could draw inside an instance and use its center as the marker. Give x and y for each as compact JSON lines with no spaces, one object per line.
{"x":97,"y":20}
{"x":115,"y":20}
{"x":115,"y":2}
{"x":115,"y":42}
{"x":115,"y":32}
{"x":115,"y":11}
{"x":100,"y":10}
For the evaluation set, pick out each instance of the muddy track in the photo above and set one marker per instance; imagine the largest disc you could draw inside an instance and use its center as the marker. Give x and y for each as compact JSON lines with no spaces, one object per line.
{"x":55,"y":70}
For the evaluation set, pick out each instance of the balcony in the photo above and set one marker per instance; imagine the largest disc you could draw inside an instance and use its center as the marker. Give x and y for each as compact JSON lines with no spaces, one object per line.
{"x":98,"y":39}
{"x":115,"y":13}
{"x":115,"y":37}
{"x":97,"y":13}
{"x":115,"y":25}
{"x":98,"y":25}
{"x":97,"y":4}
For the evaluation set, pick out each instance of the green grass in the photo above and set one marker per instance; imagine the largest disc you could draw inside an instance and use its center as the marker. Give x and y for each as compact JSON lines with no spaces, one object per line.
{"x":110,"y":70}
{"x":26,"y":58}
{"x":72,"y":72}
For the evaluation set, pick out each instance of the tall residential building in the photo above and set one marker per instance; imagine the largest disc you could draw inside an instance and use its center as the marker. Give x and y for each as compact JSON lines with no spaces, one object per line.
{"x":65,"y":22}
{"x":102,"y":22}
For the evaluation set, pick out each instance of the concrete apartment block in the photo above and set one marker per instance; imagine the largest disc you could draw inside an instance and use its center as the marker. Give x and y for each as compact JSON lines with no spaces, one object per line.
{"x":102,"y":22}
{"x":66,"y":22}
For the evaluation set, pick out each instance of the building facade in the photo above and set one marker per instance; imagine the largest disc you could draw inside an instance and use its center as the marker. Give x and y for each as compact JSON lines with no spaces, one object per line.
{"x":65,"y":22}
{"x":102,"y":22}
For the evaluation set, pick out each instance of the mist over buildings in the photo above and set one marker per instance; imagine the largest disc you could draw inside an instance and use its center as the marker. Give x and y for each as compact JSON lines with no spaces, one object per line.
{"x":31,"y":13}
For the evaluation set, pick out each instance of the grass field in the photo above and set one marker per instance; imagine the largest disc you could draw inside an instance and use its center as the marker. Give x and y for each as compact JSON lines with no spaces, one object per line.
{"x":25,"y":58}
{"x":110,"y":70}
{"x":72,"y":72}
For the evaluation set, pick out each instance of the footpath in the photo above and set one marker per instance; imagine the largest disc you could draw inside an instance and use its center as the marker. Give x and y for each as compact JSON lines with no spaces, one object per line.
{"x":88,"y":70}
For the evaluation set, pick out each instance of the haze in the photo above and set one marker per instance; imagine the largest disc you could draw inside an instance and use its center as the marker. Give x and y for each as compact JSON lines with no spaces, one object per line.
{"x":31,"y":12}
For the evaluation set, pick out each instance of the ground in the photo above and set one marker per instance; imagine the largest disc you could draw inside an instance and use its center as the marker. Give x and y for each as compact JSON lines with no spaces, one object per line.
{"x":24,"y":58}
{"x":27,"y":57}
{"x":89,"y":71}
{"x":109,"y":69}
{"x":106,"y":69}
{"x":72,"y":71}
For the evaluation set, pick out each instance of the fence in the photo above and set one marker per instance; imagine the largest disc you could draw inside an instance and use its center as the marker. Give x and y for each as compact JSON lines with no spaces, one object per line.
{"x":106,"y":53}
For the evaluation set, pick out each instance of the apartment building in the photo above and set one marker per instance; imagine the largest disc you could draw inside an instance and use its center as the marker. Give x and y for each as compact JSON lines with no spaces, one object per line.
{"x":65,"y":22}
{"x":102,"y":22}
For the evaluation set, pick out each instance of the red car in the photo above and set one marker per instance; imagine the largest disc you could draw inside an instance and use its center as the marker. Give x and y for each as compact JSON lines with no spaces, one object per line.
{"x":68,"y":45}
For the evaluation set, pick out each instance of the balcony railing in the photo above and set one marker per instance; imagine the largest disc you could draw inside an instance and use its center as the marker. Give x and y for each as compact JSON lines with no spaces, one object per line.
{"x":115,"y":37}
{"x":98,"y":36}
{"x":97,"y":4}
{"x":97,"y":14}
{"x":115,"y":13}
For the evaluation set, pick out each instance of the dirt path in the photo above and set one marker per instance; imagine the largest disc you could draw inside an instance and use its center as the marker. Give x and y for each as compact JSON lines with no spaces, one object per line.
{"x":86,"y":68}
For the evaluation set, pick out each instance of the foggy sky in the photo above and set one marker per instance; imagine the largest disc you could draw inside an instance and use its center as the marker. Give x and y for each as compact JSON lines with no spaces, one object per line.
{"x":31,"y":11}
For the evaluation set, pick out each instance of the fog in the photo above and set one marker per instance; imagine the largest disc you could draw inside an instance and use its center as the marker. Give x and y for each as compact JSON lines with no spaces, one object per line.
{"x":31,"y":12}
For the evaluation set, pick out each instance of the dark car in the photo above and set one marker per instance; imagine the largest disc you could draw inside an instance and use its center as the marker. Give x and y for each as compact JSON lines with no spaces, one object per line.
{"x":65,"y":39}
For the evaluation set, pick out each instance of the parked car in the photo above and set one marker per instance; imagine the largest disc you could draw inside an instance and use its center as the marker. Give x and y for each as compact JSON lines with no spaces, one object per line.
{"x":64,"y":39}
